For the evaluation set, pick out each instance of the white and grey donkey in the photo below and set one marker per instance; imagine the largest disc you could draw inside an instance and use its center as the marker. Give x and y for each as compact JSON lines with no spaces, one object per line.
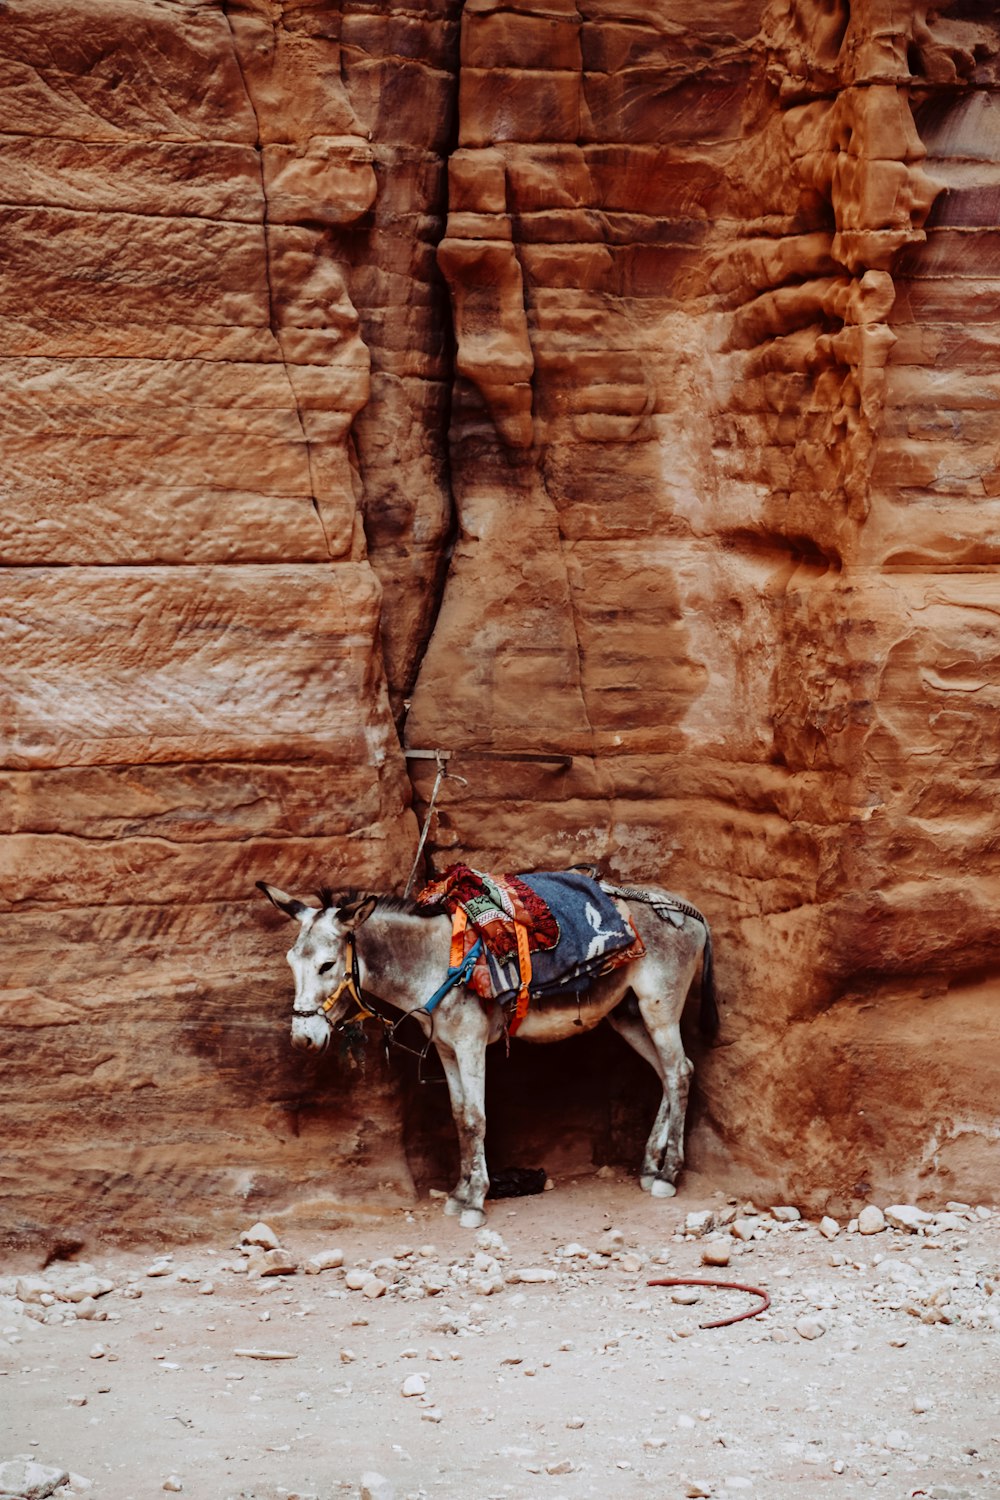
{"x":402,"y":955}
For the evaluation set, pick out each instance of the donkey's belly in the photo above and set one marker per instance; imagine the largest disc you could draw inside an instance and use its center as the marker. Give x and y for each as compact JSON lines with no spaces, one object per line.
{"x":553,"y":1021}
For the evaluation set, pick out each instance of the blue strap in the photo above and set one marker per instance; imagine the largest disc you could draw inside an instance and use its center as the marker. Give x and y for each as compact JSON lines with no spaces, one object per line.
{"x":455,"y":976}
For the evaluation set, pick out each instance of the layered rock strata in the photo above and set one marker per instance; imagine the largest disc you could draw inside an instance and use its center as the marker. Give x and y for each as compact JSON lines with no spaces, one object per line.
{"x":605,"y":382}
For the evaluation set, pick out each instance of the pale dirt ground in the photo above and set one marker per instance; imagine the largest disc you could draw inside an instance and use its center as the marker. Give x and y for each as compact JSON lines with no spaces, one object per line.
{"x":667,"y":1410}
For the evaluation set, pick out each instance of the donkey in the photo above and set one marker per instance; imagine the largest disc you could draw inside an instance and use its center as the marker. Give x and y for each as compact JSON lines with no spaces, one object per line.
{"x":396,"y":953}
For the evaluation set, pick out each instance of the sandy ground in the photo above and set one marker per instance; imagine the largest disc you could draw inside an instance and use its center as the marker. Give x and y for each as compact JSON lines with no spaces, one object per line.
{"x":874,"y":1373}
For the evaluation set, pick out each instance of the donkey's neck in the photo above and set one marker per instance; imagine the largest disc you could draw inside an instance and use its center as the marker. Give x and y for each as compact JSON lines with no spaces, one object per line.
{"x":400,"y":955}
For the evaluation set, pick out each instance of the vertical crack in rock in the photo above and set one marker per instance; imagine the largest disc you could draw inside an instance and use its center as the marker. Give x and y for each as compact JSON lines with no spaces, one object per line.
{"x":316,"y":178}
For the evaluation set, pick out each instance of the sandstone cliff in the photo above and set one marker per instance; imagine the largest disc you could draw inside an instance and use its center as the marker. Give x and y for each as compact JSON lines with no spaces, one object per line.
{"x":585,"y":378}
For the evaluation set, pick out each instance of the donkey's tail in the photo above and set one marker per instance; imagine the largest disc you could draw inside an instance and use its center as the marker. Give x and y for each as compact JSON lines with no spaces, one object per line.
{"x":708,"y":1013}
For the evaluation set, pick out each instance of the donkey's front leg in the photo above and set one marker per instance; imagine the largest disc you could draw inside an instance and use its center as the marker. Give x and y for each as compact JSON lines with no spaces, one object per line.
{"x":461,"y":1043}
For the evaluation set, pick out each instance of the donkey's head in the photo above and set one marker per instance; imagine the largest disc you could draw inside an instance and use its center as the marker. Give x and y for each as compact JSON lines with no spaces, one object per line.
{"x":321,"y":960}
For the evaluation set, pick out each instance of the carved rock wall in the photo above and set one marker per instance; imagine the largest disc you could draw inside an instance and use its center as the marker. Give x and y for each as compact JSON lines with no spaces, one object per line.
{"x":588,"y":379}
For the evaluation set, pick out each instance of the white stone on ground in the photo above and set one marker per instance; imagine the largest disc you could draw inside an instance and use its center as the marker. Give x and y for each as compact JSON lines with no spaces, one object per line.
{"x":260,"y":1234}
{"x":413,"y":1385}
{"x":907,"y":1216}
{"x":810,"y":1328}
{"x":871,"y":1219}
{"x":375,"y":1486}
{"x":24,"y":1476}
{"x":326,"y":1260}
{"x":786,"y":1214}
{"x":828,"y":1227}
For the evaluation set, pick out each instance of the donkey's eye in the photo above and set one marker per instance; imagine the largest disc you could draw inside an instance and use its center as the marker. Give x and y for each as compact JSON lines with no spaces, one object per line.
{"x":325,"y":968}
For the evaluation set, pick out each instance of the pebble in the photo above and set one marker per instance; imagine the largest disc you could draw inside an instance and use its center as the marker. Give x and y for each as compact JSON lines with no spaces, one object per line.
{"x":828,"y":1228}
{"x":533,"y":1275}
{"x":786,"y":1214}
{"x":375,"y":1486}
{"x":326,"y":1260}
{"x":413,"y":1385}
{"x":871,"y":1219}
{"x":374,"y":1288}
{"x":559,"y":1466}
{"x":574,"y":1423}
{"x":695,"y":1491}
{"x":810,"y":1328}
{"x":173,"y":1483}
{"x":715,"y":1254}
{"x":97,"y":1351}
{"x":356,"y":1279}
{"x":699,"y":1223}
{"x":743,"y":1229}
{"x":432,"y":1414}
{"x":685,"y":1296}
{"x":898,"y":1441}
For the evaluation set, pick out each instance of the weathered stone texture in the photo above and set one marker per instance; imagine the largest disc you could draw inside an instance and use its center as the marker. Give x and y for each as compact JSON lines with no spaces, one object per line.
{"x":589,"y":378}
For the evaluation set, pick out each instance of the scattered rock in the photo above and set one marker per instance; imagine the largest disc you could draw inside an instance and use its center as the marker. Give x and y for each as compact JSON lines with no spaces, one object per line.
{"x":828,"y":1228}
{"x":326,"y":1260}
{"x":33,"y":1289}
{"x":29,"y":1480}
{"x":260,"y":1234}
{"x":808,"y":1327}
{"x":716,"y":1253}
{"x":871,"y":1219}
{"x":375,"y":1486}
{"x":699,"y":1223}
{"x":374,"y":1287}
{"x":413,"y":1385}
{"x":173,"y":1483}
{"x":907,"y":1216}
{"x":743,"y":1229}
{"x":786,"y":1214}
{"x":271,"y":1263}
{"x":532,"y":1275}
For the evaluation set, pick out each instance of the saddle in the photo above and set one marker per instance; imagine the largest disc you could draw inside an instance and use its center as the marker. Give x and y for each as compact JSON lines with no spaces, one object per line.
{"x":542,"y":934}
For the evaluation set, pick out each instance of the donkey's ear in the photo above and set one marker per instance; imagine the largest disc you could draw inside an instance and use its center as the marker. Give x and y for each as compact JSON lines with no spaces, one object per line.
{"x":355,"y":912}
{"x":288,"y":904}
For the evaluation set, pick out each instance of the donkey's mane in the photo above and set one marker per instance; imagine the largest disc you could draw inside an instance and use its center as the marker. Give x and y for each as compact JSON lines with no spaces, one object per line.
{"x":390,"y":904}
{"x":410,"y":908}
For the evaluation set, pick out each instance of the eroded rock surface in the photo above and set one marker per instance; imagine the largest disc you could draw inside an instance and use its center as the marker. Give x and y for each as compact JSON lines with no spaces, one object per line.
{"x":605,"y":381}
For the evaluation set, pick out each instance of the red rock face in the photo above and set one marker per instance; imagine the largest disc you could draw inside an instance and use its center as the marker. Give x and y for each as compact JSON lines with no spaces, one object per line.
{"x":605,"y":381}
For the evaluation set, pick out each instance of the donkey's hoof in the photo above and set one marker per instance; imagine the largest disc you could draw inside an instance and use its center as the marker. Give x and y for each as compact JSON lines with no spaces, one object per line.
{"x":472,"y":1218}
{"x":646,"y":1183}
{"x":661,"y":1189}
{"x":453,"y":1207}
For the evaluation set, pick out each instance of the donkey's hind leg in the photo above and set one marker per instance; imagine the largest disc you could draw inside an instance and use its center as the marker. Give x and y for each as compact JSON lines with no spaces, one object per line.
{"x":460,"y":1038}
{"x":631,"y":1028}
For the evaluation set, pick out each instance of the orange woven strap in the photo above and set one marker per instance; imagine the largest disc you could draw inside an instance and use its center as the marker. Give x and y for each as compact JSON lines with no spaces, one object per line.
{"x":524,"y":963}
{"x":459,"y":923}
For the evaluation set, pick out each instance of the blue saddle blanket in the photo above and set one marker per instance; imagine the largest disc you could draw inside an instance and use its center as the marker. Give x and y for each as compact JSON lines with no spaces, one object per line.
{"x":591,"y":932}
